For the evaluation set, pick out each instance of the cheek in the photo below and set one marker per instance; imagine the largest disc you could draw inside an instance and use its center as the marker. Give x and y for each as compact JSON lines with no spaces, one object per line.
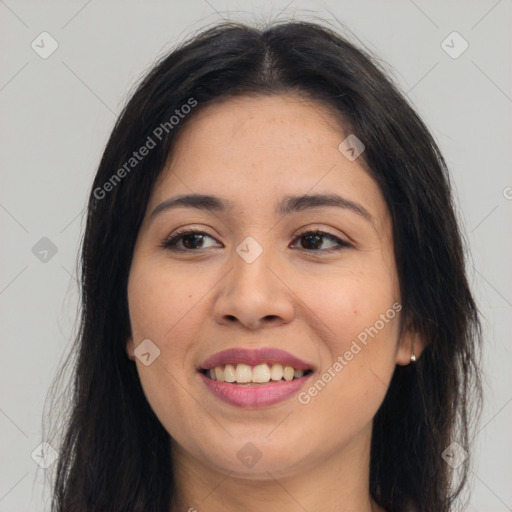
{"x":162,"y":310}
{"x":352,"y":384}
{"x":357,"y":303}
{"x":361,"y":320}
{"x":161,"y":303}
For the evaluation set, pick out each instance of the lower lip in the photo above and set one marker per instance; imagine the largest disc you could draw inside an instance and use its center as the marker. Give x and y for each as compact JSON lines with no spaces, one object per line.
{"x":254,"y":396}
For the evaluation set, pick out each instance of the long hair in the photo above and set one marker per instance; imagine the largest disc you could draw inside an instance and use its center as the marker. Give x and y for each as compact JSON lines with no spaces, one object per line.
{"x":114,"y":454}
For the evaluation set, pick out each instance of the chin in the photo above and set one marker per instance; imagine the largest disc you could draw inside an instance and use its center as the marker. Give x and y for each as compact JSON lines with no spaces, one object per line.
{"x":251,"y":457}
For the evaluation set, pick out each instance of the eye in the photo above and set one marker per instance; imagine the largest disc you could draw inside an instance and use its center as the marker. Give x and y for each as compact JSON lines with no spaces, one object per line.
{"x":190,"y":240}
{"x":314,"y":241}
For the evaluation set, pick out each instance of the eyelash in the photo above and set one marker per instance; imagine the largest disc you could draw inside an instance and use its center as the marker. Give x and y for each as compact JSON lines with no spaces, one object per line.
{"x":171,"y":243}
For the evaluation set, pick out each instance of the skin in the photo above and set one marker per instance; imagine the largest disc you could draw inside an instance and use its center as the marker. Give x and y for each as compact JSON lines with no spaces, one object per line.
{"x":301,"y":298}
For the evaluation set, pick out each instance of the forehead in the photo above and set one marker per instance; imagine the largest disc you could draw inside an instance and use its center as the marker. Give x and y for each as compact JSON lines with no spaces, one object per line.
{"x":260,"y":128}
{"x":260,"y":149}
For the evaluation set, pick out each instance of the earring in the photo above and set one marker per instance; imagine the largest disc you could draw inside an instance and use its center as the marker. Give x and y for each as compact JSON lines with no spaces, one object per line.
{"x":413,"y":356}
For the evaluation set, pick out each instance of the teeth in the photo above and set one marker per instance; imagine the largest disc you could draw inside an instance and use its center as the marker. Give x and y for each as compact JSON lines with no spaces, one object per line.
{"x":229,"y":373}
{"x":288,"y":373}
{"x":277,"y":372}
{"x":243,"y":373}
{"x":260,"y":374}
{"x":219,"y":374}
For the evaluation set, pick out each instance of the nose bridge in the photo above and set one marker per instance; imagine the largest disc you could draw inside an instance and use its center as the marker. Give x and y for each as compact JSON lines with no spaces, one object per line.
{"x":252,"y":290}
{"x":251,"y":272}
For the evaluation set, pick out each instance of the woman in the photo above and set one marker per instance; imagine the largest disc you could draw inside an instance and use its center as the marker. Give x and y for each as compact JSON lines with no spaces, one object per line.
{"x":276,"y":314}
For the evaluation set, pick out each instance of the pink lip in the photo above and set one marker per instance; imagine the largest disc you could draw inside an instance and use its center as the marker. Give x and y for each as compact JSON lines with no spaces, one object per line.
{"x":253,"y":357}
{"x":254,"y":396}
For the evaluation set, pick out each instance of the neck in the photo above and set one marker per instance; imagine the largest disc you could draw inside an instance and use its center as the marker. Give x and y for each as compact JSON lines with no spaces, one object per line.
{"x":338,"y":482}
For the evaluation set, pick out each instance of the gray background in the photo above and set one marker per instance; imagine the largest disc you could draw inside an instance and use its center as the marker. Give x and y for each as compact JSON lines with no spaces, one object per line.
{"x":58,"y":112}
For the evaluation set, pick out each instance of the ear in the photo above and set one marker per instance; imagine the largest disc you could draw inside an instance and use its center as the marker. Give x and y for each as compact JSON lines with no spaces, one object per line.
{"x":130,"y":348}
{"x":410,"y":340}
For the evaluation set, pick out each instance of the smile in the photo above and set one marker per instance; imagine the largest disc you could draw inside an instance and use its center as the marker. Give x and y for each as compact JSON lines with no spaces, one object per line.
{"x":254,"y":377}
{"x":245,"y":374}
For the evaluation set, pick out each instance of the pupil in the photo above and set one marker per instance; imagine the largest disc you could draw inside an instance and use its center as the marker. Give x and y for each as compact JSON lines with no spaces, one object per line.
{"x":188,"y":237}
{"x":317,"y":237}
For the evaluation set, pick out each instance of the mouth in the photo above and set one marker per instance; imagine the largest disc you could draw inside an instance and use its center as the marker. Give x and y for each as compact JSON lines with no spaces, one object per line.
{"x":254,"y":378}
{"x":246,"y":375}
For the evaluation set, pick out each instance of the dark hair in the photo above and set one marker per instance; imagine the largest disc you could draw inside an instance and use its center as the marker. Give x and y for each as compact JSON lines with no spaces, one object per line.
{"x":115,"y":454}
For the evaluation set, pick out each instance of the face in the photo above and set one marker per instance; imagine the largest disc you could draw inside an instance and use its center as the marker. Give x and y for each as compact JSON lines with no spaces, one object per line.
{"x":313,"y":286}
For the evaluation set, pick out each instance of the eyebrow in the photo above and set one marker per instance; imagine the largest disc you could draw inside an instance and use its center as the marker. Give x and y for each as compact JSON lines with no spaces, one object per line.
{"x":286,"y":206}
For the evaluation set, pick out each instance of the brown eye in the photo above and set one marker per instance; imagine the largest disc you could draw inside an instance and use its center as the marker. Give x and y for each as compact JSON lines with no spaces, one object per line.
{"x":190,"y":241}
{"x":310,"y":241}
{"x":313,"y":240}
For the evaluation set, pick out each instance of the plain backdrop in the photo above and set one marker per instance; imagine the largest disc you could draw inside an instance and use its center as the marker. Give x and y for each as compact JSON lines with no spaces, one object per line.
{"x":57,"y":111}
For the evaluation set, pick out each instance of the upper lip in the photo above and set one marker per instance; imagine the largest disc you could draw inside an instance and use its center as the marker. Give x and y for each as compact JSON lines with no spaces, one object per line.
{"x":254,"y":357}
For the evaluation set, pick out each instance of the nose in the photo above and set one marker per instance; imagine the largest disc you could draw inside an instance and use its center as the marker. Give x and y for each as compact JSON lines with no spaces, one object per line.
{"x":254,"y":294}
